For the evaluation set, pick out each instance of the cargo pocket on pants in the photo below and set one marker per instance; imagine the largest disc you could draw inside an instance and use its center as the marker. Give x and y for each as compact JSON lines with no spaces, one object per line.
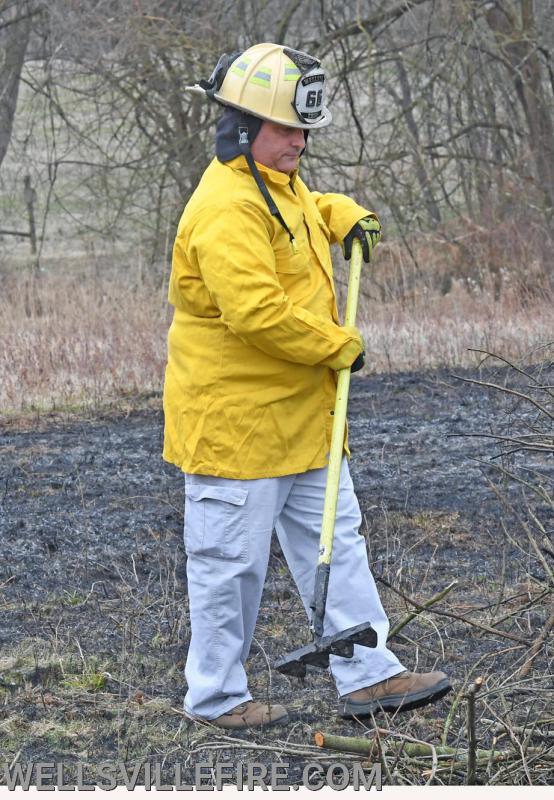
{"x":216,"y":522}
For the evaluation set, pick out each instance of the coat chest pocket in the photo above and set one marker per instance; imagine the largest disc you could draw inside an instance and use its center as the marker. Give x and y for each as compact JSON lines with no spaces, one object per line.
{"x":216,"y":522}
{"x":289,"y":263}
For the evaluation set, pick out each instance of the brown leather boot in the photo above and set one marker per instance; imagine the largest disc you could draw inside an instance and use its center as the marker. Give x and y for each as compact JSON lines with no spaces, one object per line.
{"x":402,"y":692}
{"x":252,"y":715}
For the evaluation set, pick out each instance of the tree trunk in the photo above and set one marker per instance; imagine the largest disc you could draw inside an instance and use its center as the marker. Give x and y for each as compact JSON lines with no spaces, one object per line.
{"x":516,"y":36}
{"x":15,"y":27}
{"x":407,"y":104}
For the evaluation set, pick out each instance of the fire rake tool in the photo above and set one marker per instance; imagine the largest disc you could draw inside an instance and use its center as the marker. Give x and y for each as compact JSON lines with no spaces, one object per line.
{"x":342,"y":644}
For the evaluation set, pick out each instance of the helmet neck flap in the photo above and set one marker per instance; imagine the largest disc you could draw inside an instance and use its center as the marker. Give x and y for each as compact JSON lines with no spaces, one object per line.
{"x":227,"y":132}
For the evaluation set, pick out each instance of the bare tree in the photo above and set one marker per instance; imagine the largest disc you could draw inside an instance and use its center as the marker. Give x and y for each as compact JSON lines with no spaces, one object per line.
{"x":514,"y":25}
{"x":15,"y":28}
{"x":442,"y":109}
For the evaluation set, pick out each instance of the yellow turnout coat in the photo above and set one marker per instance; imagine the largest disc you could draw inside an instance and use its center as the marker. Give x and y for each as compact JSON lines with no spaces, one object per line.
{"x":255,"y":339}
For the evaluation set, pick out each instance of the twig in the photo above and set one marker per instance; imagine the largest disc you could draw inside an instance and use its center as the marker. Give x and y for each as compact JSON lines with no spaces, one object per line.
{"x":536,"y":731}
{"x":515,"y":741}
{"x":482,"y":760}
{"x":444,"y":758}
{"x":412,"y":747}
{"x":284,"y":747}
{"x":80,"y":649}
{"x":538,"y":490}
{"x":538,"y":447}
{"x":15,"y":758}
{"x":409,"y":617}
{"x":508,"y":363}
{"x":471,"y":735}
{"x":244,"y":744}
{"x":458,"y":698}
{"x":451,"y":615}
{"x":505,"y":389}
{"x":269,"y":673}
{"x":533,"y":653}
{"x":346,"y":744}
{"x":526,"y":528}
{"x":524,"y":607}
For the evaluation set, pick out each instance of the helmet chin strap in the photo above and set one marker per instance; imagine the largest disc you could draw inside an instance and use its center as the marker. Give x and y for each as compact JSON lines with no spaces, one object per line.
{"x":244,"y":146}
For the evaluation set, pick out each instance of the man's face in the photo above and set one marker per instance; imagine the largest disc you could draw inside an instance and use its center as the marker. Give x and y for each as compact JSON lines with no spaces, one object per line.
{"x":278,"y":146}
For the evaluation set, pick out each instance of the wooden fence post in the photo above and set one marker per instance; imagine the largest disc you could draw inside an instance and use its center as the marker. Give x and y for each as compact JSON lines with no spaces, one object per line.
{"x":30,"y":196}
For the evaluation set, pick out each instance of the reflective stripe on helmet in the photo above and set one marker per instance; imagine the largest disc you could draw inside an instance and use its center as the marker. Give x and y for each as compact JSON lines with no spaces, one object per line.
{"x":291,"y":73}
{"x":239,"y":67}
{"x":262,"y":78}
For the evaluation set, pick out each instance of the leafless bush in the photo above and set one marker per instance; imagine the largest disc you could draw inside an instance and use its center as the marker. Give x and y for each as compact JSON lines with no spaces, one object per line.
{"x":524,"y":461}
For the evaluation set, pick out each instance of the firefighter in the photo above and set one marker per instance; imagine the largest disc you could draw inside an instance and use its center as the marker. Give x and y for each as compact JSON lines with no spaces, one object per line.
{"x":250,"y":389}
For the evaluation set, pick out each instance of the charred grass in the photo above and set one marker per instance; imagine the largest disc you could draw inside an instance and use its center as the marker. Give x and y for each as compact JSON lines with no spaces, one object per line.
{"x":93,"y":604}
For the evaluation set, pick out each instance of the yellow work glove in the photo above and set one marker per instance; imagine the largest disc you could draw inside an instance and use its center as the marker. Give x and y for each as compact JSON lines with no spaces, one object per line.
{"x":368,"y":232}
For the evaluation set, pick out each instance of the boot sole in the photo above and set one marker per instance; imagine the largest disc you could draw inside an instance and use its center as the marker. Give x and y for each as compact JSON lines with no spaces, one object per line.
{"x":396,"y":702}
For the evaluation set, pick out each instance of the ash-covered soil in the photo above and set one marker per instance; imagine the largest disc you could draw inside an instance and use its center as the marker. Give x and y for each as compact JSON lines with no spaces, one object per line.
{"x":94,"y":625}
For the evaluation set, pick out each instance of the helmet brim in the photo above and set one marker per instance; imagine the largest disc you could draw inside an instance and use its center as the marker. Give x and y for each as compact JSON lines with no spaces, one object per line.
{"x":306,"y":126}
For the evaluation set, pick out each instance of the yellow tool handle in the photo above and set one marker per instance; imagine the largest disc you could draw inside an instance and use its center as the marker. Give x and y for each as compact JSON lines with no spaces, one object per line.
{"x":339,"y":419}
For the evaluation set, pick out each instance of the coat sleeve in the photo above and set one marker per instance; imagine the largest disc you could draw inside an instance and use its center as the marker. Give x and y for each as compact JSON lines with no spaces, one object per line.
{"x":340,"y":213}
{"x":231,"y":247}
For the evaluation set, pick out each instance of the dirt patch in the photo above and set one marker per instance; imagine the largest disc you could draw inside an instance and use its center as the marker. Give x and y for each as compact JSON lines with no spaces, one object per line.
{"x":94,"y":626}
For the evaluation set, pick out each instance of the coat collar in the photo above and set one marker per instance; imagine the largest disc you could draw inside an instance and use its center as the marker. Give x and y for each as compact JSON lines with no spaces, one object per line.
{"x":272,"y":175}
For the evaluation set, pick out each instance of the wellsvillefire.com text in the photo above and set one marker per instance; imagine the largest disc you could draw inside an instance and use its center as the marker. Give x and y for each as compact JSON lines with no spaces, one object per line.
{"x":202,"y":776}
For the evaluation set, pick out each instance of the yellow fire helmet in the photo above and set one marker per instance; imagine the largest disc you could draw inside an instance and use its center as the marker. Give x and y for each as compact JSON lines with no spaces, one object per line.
{"x":272,"y":82}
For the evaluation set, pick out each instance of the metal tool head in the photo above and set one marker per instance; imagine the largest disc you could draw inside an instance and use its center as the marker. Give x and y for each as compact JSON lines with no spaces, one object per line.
{"x":317,"y":654}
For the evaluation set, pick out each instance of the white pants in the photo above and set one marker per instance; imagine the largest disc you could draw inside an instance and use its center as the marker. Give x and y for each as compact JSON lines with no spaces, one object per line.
{"x":228,"y":528}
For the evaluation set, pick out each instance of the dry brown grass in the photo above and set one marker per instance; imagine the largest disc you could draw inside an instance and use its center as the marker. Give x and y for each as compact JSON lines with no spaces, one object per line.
{"x":430,"y":302}
{"x":443,"y":331}
{"x":87,"y":337}
{"x":75,"y":340}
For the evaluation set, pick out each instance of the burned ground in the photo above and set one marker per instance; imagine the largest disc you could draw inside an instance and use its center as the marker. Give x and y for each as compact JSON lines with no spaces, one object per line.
{"x":94,"y":626}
